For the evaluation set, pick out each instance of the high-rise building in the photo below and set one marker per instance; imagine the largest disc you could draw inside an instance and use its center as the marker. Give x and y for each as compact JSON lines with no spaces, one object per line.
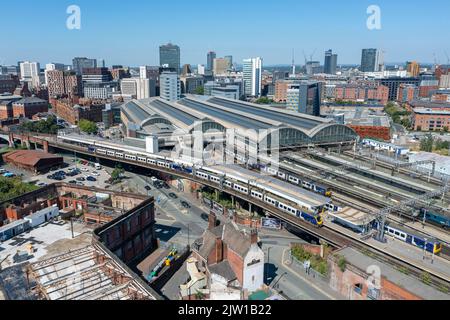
{"x":221,"y":66}
{"x":305,"y":97}
{"x":80,"y":63}
{"x":63,"y":83}
{"x":29,"y":70}
{"x":169,"y":56}
{"x":252,"y":70}
{"x":201,"y":69}
{"x":413,"y":68}
{"x":51,"y":67}
{"x":312,"y":67}
{"x":210,"y":61}
{"x":230,"y":62}
{"x":393,"y":83}
{"x":138,"y":88}
{"x":170,"y":86}
{"x":371,"y":60}
{"x":330,"y":64}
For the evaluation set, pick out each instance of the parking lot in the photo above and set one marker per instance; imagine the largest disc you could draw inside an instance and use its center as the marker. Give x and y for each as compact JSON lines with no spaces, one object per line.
{"x":84,"y":169}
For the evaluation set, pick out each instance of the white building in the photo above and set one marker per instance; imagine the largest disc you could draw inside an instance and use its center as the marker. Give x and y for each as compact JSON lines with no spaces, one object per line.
{"x":445,"y":81}
{"x":252,"y":69}
{"x":139,"y":88}
{"x":29,"y":70}
{"x":170,"y":88}
{"x":99,"y":90}
{"x":229,"y":91}
{"x":201,"y":69}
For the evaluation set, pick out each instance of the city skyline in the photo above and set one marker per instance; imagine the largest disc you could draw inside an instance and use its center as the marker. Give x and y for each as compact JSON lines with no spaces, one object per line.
{"x":345,"y":32}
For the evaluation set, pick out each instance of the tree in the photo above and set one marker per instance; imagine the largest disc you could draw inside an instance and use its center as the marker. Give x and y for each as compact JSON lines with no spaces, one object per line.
{"x":117,"y":173}
{"x":426,"y":144}
{"x":200,"y":90}
{"x":14,"y":187}
{"x":263,"y":100}
{"x":342,"y":263}
{"x":87,"y":126}
{"x":48,"y":125}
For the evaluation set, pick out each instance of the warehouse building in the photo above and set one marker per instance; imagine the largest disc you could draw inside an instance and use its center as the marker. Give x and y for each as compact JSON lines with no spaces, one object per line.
{"x":33,"y":160}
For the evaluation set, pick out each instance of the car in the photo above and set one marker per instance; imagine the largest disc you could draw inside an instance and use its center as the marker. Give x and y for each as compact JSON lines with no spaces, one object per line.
{"x":92,"y":179}
{"x":2,"y":170}
{"x":204,"y":216}
{"x":95,"y":173}
{"x":148,"y":188}
{"x":50,"y":176}
{"x":72,"y":182}
{"x":80,"y":179}
{"x":41,"y":184}
{"x":9,"y":175}
{"x":173,"y":195}
{"x":165,"y":185}
{"x":80,"y":183}
{"x":185,"y":204}
{"x":153,"y":179}
{"x":84,"y":169}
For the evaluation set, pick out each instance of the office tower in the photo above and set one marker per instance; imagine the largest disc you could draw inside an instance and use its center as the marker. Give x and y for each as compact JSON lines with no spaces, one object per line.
{"x":51,"y":67}
{"x":413,"y":68}
{"x":330,"y":64}
{"x":304,"y":97}
{"x":201,"y":69}
{"x":252,"y":70}
{"x":98,"y":84}
{"x":29,"y":70}
{"x":80,"y":63}
{"x":312,"y":67}
{"x":371,"y":60}
{"x":138,"y":88}
{"x":169,"y":56}
{"x":230,"y":62}
{"x":221,"y":66}
{"x":170,"y":86}
{"x":210,"y":61}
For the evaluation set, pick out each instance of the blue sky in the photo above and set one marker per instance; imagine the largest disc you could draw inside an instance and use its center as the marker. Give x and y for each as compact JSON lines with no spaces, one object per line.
{"x":129,"y":32}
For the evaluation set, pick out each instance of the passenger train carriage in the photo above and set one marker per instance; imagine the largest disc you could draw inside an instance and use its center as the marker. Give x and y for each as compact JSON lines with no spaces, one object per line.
{"x":411,"y":237}
{"x":295,"y":206}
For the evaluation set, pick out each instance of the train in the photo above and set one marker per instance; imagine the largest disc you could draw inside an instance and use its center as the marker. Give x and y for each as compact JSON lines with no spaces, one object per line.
{"x":299,"y":181}
{"x":288,"y":204}
{"x":439,"y":219}
{"x":411,"y":237}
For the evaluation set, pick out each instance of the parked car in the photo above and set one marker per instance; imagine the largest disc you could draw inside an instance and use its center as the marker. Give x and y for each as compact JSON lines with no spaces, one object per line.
{"x":148,"y":188}
{"x":204,"y":216}
{"x":41,"y":184}
{"x":95,"y":173}
{"x":173,"y":195}
{"x":84,"y":169}
{"x":80,"y":183}
{"x":185,"y":204}
{"x":92,"y":179}
{"x":80,"y":179}
{"x":72,"y":182}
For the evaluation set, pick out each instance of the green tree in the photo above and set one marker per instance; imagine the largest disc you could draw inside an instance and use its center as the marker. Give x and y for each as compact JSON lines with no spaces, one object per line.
{"x":263,"y":100}
{"x":117,"y":173}
{"x":426,"y":144}
{"x":87,"y":126}
{"x":14,"y":187}
{"x":200,"y":90}
{"x":48,"y":125}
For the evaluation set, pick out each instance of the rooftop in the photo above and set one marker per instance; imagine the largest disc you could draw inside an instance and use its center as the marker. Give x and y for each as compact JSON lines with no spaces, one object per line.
{"x":29,"y":157}
{"x":432,"y":111}
{"x":411,"y":284}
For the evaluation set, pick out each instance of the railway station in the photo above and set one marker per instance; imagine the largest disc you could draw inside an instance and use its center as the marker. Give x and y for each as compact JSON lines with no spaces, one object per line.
{"x":358,"y":221}
{"x":154,"y":116}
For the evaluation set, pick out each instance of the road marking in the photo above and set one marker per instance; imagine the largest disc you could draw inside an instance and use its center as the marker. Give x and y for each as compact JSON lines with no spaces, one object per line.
{"x":303,"y":278}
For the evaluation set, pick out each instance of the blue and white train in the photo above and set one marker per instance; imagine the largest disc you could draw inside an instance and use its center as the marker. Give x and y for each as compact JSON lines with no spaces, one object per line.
{"x":291,"y":205}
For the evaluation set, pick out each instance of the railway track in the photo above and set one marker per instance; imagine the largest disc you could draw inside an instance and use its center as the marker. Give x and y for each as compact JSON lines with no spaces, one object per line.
{"x":332,"y":237}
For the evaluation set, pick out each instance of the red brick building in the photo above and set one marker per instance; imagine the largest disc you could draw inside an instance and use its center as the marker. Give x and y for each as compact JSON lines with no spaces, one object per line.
{"x":73,"y":113}
{"x":33,"y":160}
{"x":27,"y":107}
{"x":370,"y":92}
{"x":407,"y":93}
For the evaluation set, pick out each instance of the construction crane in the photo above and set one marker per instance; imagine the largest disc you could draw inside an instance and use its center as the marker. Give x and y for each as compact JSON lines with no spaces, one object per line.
{"x":382,"y":215}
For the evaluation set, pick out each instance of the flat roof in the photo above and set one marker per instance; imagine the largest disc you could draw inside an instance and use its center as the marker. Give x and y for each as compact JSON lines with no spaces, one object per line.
{"x":432,"y":111}
{"x":362,"y":262}
{"x":353,"y":216}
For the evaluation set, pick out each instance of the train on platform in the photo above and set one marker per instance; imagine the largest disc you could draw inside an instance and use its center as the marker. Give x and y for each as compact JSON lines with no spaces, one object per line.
{"x":305,"y":210}
{"x":439,"y":219}
{"x":411,"y":237}
{"x":297,"y":180}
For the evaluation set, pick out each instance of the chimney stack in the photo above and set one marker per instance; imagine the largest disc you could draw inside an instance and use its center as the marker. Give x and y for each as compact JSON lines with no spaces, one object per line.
{"x":212,"y":220}
{"x":253,"y":236}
